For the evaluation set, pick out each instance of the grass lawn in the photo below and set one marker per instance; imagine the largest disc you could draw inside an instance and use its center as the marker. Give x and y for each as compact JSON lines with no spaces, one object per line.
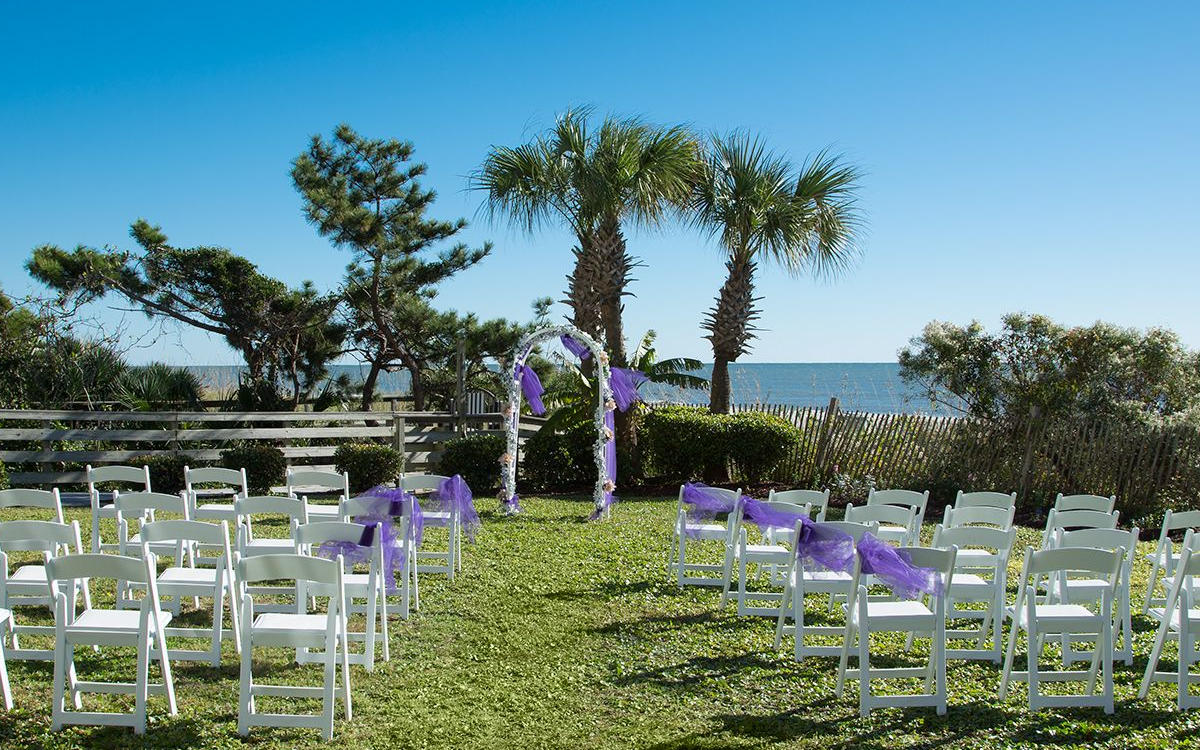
{"x":561,"y":633}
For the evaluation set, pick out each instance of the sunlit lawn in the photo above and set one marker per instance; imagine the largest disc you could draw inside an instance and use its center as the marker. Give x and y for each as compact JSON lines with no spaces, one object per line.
{"x":560,"y":633}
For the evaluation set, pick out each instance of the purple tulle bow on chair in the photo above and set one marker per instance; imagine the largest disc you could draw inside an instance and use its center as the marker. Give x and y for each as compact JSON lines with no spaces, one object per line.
{"x":765,"y":517}
{"x":574,"y":347}
{"x":893,"y":568}
{"x":531,"y":388}
{"x":454,"y":495}
{"x":703,"y":504}
{"x":624,"y":383}
{"x":818,"y":544}
{"x":382,"y":506}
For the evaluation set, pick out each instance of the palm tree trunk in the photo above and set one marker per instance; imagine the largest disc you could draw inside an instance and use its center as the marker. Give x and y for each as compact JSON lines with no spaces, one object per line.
{"x":730,"y":327}
{"x":615,"y":267}
{"x":583,"y":289}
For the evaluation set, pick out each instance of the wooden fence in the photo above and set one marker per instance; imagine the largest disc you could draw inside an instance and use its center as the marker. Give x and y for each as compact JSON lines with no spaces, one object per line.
{"x":52,"y":447}
{"x":1146,"y":467}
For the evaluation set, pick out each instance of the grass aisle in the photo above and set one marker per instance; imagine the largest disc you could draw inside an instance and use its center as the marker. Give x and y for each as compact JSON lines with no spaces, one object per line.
{"x":564,"y":634}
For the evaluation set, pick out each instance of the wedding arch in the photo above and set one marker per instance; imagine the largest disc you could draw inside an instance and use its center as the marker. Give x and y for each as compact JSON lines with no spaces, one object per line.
{"x":523,"y":381}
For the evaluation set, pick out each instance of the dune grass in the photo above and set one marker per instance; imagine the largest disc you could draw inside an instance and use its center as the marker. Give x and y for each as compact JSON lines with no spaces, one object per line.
{"x":561,"y":633}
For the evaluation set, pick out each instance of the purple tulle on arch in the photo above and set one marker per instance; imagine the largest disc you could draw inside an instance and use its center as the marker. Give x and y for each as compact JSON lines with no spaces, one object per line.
{"x":531,"y":388}
{"x":894,"y":568}
{"x":454,"y":495}
{"x":513,"y":504}
{"x":574,"y":347}
{"x":610,"y":468}
{"x":624,"y":383}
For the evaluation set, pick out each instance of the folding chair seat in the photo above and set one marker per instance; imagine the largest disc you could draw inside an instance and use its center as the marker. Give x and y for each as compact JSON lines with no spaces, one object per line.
{"x":137,"y":477}
{"x":248,"y":544}
{"x":298,"y":629}
{"x":27,"y":585}
{"x":304,"y":482}
{"x":21,"y":497}
{"x":925,"y":614}
{"x":897,"y":523}
{"x":1038,"y":620}
{"x":1077,"y":589}
{"x":404,"y":550}
{"x":985,"y":500}
{"x":1098,"y":503}
{"x":977,"y":579}
{"x":801,"y":581}
{"x":688,"y":532}
{"x":142,"y":629}
{"x":218,"y":502}
{"x":184,"y":579}
{"x":1179,"y":620}
{"x":353,"y":542}
{"x":771,"y":557}
{"x":902,"y":498}
{"x":446,"y":561}
{"x":1164,"y":559}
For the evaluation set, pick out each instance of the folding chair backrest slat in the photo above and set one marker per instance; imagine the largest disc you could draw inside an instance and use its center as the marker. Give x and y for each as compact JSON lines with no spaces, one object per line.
{"x":287,"y":567}
{"x":38,"y":536}
{"x":421,"y":482}
{"x":1073,"y":559}
{"x":23,"y":497}
{"x":897,"y":514}
{"x":906,"y":498}
{"x":978,"y":514}
{"x":975,"y":537}
{"x":95,"y":565}
{"x":189,"y":531}
{"x":318,"y":532}
{"x":130,"y":503}
{"x":233,"y":478}
{"x":1085,"y":502}
{"x":817,"y":500}
{"x":985,"y":499}
{"x":127,"y":474}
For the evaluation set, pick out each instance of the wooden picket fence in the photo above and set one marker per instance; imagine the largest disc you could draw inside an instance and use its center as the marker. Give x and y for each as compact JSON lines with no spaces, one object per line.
{"x":1146,"y":467}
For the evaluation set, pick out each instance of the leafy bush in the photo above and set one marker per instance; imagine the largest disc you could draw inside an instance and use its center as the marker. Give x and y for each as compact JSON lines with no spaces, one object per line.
{"x":3,"y":477}
{"x":679,"y":442}
{"x":554,"y":460}
{"x":368,"y":464}
{"x":166,"y":471}
{"x":477,"y":458}
{"x":265,"y":465}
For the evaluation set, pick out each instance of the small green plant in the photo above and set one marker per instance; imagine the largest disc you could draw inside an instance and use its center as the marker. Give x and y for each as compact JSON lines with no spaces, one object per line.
{"x":265,"y":465}
{"x":3,"y":477}
{"x":368,"y":464}
{"x":477,"y":458}
{"x":166,"y":471}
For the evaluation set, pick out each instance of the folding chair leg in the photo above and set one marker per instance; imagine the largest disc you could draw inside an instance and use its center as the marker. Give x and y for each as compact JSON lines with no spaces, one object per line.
{"x":346,"y":671}
{"x":844,"y":660}
{"x":864,"y":671}
{"x":141,"y":688}
{"x":1006,"y":675}
{"x":327,"y":693}
{"x":164,"y":660}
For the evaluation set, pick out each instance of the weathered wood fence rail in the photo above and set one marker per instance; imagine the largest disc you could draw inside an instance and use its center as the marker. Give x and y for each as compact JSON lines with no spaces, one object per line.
{"x":52,"y":447}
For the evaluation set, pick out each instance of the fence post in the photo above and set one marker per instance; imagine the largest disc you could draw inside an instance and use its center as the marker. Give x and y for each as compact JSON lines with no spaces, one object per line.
{"x":824,"y":436}
{"x":460,"y":388}
{"x":1027,"y":460}
{"x":398,"y":437}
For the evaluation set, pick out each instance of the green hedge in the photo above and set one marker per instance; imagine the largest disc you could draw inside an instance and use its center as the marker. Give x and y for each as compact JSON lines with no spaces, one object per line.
{"x":265,"y":465}
{"x":3,"y":477}
{"x":477,"y":458}
{"x":369,"y":464}
{"x":559,"y":460}
{"x":166,"y":471}
{"x":680,"y":442}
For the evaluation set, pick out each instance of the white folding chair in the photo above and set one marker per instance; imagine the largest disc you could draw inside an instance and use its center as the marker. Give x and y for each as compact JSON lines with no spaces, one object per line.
{"x":1067,"y":520}
{"x":185,"y":579}
{"x":21,"y":497}
{"x":985,"y":499}
{"x":369,"y":586}
{"x":1038,"y":620}
{"x":688,"y":532}
{"x":142,"y":629}
{"x":5,"y":690}
{"x":903,"y":498}
{"x":817,"y":500}
{"x":27,"y":585}
{"x":1068,"y":590}
{"x":450,"y":560}
{"x":230,"y":483}
{"x":770,"y":557}
{"x":305,"y":482}
{"x":979,"y":515}
{"x":1165,"y":558}
{"x":802,"y":581}
{"x":141,"y":508}
{"x":294,"y":630}
{"x":980,"y":577}
{"x":926,"y":614}
{"x":1097,"y":503}
{"x":138,"y":477}
{"x":897,"y":523}
{"x":1180,"y":620}
{"x":294,"y":512}
{"x":405,"y":546}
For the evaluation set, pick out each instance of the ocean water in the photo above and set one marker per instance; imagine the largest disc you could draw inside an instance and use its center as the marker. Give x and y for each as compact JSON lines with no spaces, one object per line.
{"x":862,"y":386}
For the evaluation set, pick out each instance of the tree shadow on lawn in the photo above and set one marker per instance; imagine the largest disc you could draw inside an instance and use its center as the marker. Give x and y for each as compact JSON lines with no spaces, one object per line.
{"x":614,"y":589}
{"x":699,"y":671}
{"x":653,"y":626}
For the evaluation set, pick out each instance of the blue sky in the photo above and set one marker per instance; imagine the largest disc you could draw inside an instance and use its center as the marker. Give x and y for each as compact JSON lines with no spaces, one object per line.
{"x":1019,"y":156}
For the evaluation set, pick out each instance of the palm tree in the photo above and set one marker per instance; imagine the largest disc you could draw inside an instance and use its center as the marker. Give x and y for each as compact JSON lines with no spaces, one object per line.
{"x":760,"y":208}
{"x":594,"y":181}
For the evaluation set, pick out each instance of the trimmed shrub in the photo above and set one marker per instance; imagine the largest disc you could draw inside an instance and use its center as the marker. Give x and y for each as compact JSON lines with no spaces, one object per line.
{"x":369,"y":464}
{"x":265,"y":465}
{"x":166,"y":471}
{"x":559,"y":460}
{"x":3,"y":477}
{"x":477,"y":458}
{"x":679,"y":442}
